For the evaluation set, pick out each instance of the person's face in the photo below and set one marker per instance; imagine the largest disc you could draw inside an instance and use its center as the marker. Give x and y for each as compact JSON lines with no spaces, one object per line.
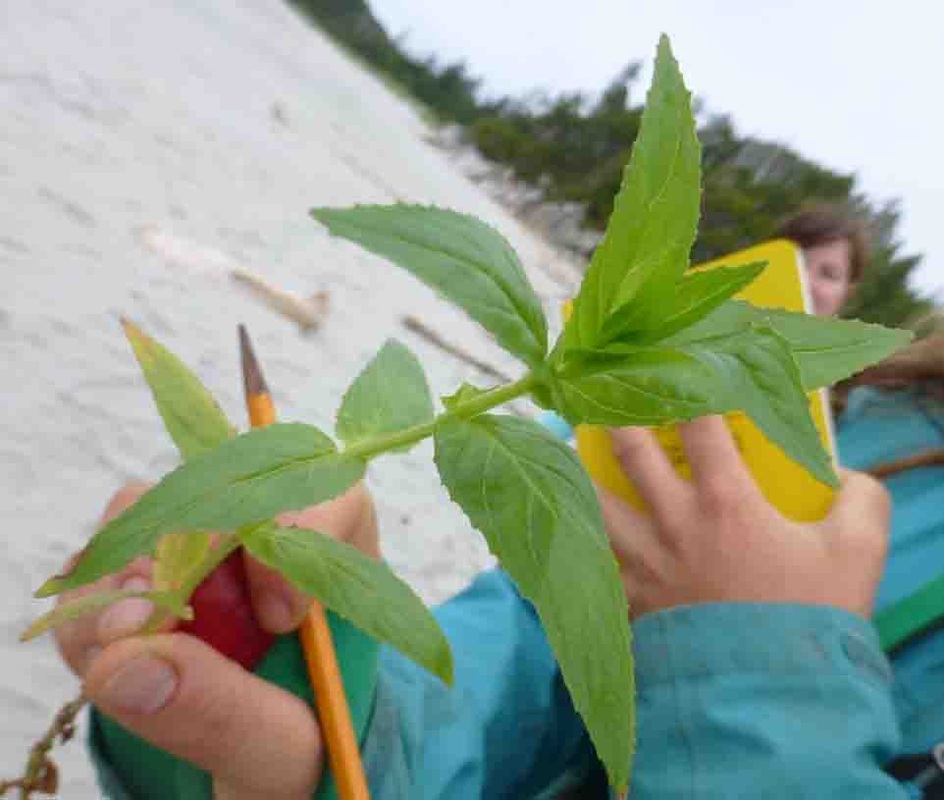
{"x":829,"y":275}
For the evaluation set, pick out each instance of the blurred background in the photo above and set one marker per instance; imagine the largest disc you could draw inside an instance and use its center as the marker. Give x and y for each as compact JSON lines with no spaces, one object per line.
{"x":157,"y":161}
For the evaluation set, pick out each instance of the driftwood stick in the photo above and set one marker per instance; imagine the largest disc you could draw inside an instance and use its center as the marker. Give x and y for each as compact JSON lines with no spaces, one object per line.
{"x":421,"y":329}
{"x":929,"y":458}
{"x":307,"y":313}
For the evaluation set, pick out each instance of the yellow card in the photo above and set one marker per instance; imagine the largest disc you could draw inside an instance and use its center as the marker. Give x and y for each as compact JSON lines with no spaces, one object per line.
{"x":788,"y":486}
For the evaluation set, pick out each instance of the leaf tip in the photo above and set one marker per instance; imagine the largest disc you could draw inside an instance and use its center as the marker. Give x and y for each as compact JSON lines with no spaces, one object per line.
{"x":51,"y":587}
{"x":131,"y":330}
{"x":29,"y":634}
{"x":445,"y":668}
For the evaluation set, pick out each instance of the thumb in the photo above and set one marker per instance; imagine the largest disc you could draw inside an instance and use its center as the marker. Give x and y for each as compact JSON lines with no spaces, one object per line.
{"x":861,"y":512}
{"x":856,"y":531}
{"x":176,"y":692}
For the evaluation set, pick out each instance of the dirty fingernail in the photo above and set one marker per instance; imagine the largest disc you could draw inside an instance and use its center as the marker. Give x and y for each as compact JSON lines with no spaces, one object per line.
{"x":127,"y":616}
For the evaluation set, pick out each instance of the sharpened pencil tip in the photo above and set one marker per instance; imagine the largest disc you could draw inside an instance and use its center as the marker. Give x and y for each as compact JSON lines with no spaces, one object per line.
{"x":252,"y":373}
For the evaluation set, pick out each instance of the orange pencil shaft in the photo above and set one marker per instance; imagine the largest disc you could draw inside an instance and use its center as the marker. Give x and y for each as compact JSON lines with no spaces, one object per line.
{"x":334,"y":716}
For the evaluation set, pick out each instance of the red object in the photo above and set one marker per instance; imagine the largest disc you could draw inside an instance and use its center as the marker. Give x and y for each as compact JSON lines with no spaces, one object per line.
{"x":224,"y":617}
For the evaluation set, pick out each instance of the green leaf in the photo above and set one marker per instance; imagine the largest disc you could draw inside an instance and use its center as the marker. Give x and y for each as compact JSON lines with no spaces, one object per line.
{"x":463,"y":394}
{"x":764,"y":381}
{"x":829,"y":350}
{"x":360,"y":589}
{"x":700,"y":292}
{"x":527,"y":492}
{"x":751,"y":371}
{"x":245,"y":480}
{"x":176,"y":557}
{"x":633,"y":385}
{"x":191,"y":415}
{"x":825,"y":350}
{"x":390,"y":395}
{"x":462,"y":258}
{"x":655,"y":217}
{"x":86,"y":604}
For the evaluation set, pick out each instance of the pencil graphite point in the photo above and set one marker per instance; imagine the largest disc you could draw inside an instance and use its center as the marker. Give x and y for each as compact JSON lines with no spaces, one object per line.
{"x":252,"y":373}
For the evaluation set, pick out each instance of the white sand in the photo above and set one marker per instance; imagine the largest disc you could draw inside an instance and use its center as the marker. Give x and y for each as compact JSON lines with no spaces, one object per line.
{"x":216,"y":124}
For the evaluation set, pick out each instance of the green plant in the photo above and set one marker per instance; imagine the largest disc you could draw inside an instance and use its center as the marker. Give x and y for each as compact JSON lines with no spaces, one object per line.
{"x":647,"y":344}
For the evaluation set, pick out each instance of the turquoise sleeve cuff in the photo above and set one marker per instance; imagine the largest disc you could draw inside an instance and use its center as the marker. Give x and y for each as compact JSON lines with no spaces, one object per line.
{"x":770,"y":639}
{"x":131,"y":769}
{"x":762,"y":700}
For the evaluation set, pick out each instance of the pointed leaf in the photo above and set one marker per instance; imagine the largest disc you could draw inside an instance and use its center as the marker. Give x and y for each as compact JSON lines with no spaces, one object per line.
{"x":86,"y":604}
{"x":364,"y":591}
{"x":638,"y":386}
{"x":462,"y":258}
{"x":245,"y":480}
{"x":390,"y":395}
{"x":764,"y":381}
{"x":646,"y":246}
{"x":829,"y":350}
{"x":826,"y":350}
{"x":697,"y":295}
{"x":750,"y":371}
{"x":192,"y":417}
{"x":528,"y":494}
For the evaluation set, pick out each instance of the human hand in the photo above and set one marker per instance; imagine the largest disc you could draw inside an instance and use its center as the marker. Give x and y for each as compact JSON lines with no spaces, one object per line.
{"x":175,"y":691}
{"x":716,"y":539}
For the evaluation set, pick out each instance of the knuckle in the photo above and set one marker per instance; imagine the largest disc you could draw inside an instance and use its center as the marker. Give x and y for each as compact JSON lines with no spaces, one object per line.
{"x":721,"y":500}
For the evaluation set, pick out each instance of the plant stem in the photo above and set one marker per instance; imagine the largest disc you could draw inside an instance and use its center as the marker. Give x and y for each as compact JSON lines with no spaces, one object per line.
{"x":215,"y":556}
{"x":471,"y":408}
{"x":41,"y":774}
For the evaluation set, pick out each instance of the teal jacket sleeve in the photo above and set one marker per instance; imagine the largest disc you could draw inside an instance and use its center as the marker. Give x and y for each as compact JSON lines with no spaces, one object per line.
{"x":880,"y":426}
{"x":507,"y":729}
{"x":762,"y":701}
{"x":734,"y":701}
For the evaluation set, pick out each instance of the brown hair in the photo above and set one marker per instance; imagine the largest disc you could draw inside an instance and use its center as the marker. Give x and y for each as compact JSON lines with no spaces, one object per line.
{"x":825,"y":224}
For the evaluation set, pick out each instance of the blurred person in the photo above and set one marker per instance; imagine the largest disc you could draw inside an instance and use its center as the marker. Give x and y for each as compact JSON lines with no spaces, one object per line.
{"x":835,"y":249}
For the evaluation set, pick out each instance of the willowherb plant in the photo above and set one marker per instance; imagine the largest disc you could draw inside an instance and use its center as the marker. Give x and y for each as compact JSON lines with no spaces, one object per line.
{"x":647,"y":343}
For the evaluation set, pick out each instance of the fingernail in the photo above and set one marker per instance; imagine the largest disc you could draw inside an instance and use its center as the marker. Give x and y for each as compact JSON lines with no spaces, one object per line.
{"x":277,"y":612}
{"x":141,"y":687}
{"x":126,"y":616}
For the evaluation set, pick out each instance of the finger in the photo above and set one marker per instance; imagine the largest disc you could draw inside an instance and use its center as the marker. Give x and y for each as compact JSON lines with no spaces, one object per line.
{"x":182,"y":696}
{"x":860,"y":517}
{"x":79,"y":640}
{"x":856,"y":534}
{"x":718,"y":470}
{"x":648,"y":468}
{"x":624,"y":525}
{"x":641,"y":555}
{"x":280,"y":606}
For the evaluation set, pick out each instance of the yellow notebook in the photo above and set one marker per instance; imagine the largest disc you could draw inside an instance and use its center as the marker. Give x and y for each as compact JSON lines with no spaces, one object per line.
{"x":788,"y":486}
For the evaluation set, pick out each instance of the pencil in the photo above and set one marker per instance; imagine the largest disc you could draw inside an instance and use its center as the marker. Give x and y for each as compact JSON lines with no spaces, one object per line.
{"x":334,"y":715}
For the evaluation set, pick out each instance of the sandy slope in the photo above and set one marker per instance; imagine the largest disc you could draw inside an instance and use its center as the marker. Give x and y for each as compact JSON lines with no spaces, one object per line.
{"x":214,"y":125}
